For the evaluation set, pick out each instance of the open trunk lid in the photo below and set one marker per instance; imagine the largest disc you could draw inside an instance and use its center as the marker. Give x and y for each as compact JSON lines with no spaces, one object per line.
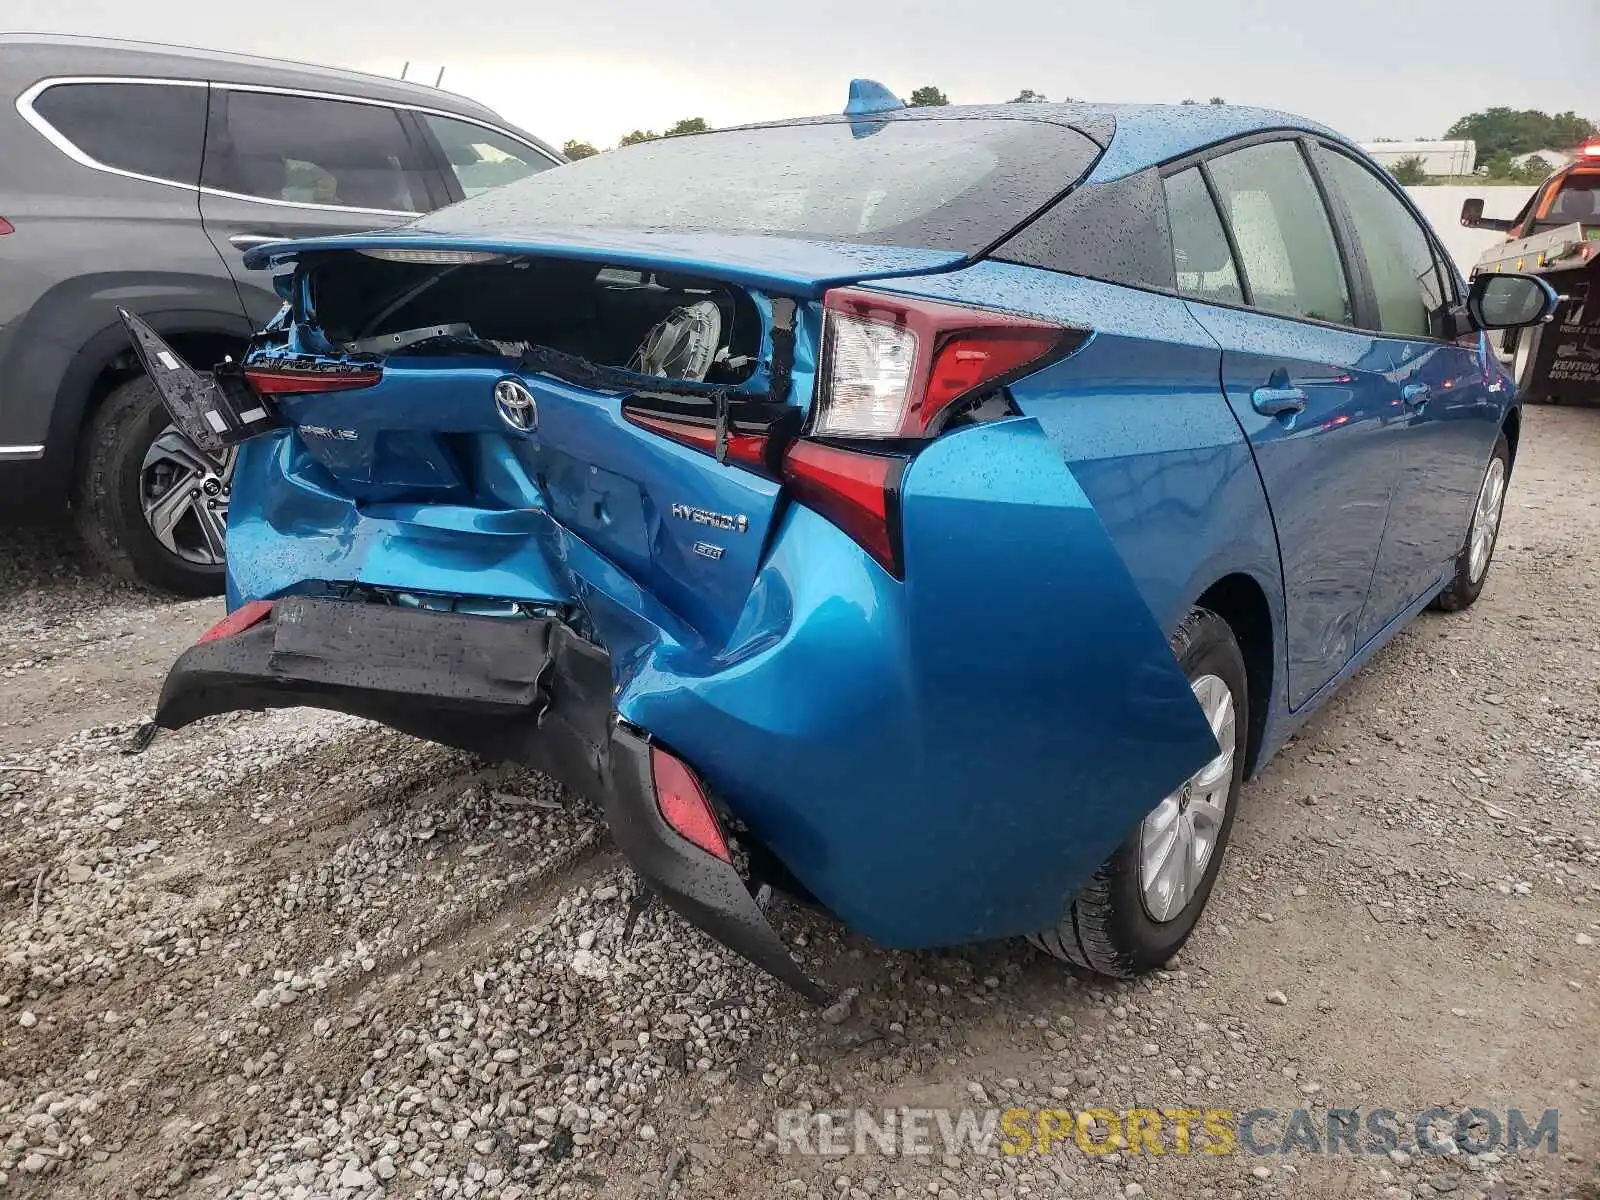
{"x":464,"y":394}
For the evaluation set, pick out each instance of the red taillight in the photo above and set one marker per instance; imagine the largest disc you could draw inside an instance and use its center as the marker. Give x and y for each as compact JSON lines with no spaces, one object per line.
{"x":6,"y":227}
{"x":284,"y":381}
{"x":892,"y":366}
{"x":684,"y":806}
{"x":1591,"y":150}
{"x":240,"y":619}
{"x":746,"y":449}
{"x":858,"y":492}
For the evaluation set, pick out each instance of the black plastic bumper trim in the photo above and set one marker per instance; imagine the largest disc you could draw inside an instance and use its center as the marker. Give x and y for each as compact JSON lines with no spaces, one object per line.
{"x":523,"y":689}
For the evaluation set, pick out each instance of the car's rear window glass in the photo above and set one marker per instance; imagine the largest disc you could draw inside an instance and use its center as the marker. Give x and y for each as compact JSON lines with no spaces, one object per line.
{"x":310,"y":150}
{"x":1578,"y":200}
{"x":947,"y":184}
{"x":154,"y":129}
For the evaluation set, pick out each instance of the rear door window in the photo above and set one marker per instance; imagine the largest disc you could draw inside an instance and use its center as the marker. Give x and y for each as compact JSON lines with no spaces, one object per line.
{"x":151,"y":129}
{"x":1286,"y":247}
{"x":313,"y":150}
{"x":482,"y":158}
{"x":1200,"y":252}
{"x":1398,"y":252}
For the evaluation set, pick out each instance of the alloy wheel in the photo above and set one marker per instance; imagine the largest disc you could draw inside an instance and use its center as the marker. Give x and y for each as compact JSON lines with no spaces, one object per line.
{"x":1486,"y":518}
{"x":1177,"y":839}
{"x":184,"y":493}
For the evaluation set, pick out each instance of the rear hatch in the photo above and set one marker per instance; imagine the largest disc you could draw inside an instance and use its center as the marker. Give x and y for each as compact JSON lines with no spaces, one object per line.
{"x":639,"y":401}
{"x":616,"y":353}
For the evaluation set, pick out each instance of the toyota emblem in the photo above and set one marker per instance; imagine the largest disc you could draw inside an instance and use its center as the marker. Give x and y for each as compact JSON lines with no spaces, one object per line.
{"x":516,"y":405}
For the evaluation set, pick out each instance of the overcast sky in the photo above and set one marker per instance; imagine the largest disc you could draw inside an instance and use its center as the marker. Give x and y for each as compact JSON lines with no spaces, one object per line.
{"x":593,"y":69}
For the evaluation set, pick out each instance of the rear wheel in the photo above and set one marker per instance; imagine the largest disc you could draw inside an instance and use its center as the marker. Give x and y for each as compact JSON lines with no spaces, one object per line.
{"x":1141,"y":906}
{"x":1477,"y":552}
{"x":149,"y":504}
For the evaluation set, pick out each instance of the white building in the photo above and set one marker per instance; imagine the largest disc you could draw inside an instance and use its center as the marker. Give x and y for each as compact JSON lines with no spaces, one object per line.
{"x":1552,"y":158}
{"x":1438,"y":157}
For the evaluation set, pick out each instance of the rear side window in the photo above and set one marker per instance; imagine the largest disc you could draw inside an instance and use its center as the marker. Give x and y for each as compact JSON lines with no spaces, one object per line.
{"x":154,"y":129}
{"x":1199,"y":246}
{"x":942,"y":183}
{"x":1286,"y":247}
{"x":307,"y":150}
{"x":483,"y":158}
{"x":1398,"y":254}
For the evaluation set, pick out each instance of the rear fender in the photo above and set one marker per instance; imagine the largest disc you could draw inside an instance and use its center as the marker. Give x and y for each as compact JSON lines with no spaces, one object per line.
{"x":948,"y":759}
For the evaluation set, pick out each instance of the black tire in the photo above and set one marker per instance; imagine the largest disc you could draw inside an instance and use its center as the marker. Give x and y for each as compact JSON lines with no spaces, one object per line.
{"x":1107,"y":928}
{"x":107,"y":508}
{"x":1463,"y":590}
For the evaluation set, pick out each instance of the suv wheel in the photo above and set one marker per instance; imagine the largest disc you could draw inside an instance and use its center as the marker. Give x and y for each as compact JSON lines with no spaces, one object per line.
{"x":1138,"y":909}
{"x":150,"y":505}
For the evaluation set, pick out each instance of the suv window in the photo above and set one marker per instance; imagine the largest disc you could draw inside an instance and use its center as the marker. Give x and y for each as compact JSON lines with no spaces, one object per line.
{"x":314,"y":151}
{"x":1200,"y":253}
{"x":1399,"y":255}
{"x":483,"y":158}
{"x":1286,"y":247}
{"x":154,"y":129}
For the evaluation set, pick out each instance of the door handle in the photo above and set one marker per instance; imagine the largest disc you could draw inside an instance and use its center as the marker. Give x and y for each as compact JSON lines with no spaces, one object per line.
{"x":1416,"y":394}
{"x":1275,"y":401}
{"x":243,"y":241}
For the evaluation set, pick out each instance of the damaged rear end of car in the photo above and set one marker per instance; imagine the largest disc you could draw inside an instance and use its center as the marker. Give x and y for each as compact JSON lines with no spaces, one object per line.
{"x":707,"y":527}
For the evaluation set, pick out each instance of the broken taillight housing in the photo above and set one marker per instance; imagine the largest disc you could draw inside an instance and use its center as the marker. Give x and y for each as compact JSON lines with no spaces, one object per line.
{"x":895,"y":367}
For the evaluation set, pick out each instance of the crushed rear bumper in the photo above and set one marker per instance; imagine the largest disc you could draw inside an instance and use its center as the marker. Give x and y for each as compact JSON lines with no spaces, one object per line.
{"x":526,"y":689}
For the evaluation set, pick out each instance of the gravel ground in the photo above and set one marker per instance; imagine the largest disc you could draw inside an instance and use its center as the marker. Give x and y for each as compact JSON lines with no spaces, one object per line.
{"x":295,"y":955}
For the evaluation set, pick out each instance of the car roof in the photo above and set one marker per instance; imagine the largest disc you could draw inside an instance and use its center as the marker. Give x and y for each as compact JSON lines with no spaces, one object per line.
{"x":34,"y":56}
{"x":1135,"y":136}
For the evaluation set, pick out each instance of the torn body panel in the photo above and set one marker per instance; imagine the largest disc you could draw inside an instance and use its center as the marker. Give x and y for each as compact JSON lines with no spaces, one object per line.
{"x":940,"y":756}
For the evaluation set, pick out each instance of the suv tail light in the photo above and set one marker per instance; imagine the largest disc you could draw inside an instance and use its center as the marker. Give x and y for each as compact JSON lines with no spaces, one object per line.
{"x":6,"y":227}
{"x":895,"y":367}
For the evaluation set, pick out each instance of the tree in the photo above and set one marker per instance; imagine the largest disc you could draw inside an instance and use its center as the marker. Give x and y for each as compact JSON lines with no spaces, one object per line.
{"x":575,"y":149}
{"x":637,"y":136}
{"x":1410,"y":171}
{"x":1188,"y":102}
{"x":1534,"y":169}
{"x":1502,"y":130}
{"x":1216,"y":100}
{"x":1028,"y":96}
{"x":688,"y":125}
{"x":928,"y":97}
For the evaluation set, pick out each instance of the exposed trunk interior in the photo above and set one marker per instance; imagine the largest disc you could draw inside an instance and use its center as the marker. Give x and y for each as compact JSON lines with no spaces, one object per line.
{"x":673,"y":326}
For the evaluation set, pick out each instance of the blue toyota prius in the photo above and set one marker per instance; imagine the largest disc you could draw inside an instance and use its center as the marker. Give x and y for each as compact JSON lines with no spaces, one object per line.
{"x":936,"y":513}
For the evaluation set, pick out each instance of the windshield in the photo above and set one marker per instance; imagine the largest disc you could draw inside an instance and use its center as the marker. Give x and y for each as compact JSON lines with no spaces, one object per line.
{"x":945,"y":184}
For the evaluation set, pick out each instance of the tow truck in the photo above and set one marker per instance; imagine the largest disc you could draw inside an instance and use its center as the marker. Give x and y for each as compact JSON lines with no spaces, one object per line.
{"x":1557,"y":237}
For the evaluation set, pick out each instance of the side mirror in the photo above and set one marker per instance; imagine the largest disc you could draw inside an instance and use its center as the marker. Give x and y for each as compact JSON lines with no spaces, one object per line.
{"x":1497,"y":301}
{"x":1472,"y":217}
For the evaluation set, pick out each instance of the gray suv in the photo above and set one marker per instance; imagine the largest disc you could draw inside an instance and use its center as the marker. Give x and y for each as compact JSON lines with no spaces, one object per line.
{"x":136,"y":176}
